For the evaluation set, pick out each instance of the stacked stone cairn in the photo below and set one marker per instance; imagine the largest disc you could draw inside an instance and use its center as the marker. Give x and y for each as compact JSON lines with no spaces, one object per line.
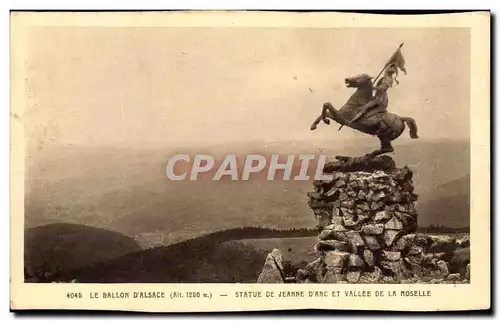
{"x":367,"y":223}
{"x":367,"y":219}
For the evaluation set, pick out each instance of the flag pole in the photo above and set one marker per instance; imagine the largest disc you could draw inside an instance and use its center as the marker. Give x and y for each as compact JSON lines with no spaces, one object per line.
{"x":376,"y":78}
{"x":385,"y":66}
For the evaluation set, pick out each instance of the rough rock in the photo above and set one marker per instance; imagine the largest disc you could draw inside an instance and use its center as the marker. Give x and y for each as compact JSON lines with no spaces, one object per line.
{"x":439,"y":255}
{"x":325,"y":234}
{"x":353,"y":184}
{"x":354,"y":239}
{"x":464,"y":242}
{"x":332,"y":194}
{"x":405,"y":219}
{"x":443,"y":244}
{"x":339,"y":235}
{"x":364,"y":206}
{"x":376,"y":205}
{"x":390,"y":207}
{"x":323,"y":245}
{"x":359,"y":212}
{"x":301,"y":275}
{"x":336,"y":220}
{"x":351,"y":220}
{"x":415,"y":251}
{"x":467,"y":272}
{"x":339,"y":228}
{"x":340,"y":184}
{"x":352,"y":194}
{"x":273,"y":268}
{"x":402,"y":208}
{"x":394,"y":224}
{"x":336,"y":259}
{"x":426,"y":260}
{"x":443,"y":268}
{"x":422,"y":241}
{"x":375,"y":276}
{"x":346,"y":211}
{"x":355,"y":261}
{"x":323,"y":216}
{"x":349,"y":204}
{"x":372,"y":242}
{"x":320,"y":272}
{"x":353,"y":276}
{"x":369,"y":257}
{"x":453,"y":277}
{"x":382,"y":216}
{"x":373,"y":229}
{"x":312,"y":266}
{"x":414,"y":266}
{"x":390,"y":236}
{"x":404,"y":242}
{"x":378,"y":196}
{"x":397,"y":268}
{"x":391,"y":256}
{"x":332,"y":277}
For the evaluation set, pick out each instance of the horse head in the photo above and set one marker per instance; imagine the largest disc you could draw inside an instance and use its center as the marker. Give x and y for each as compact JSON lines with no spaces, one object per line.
{"x":358,"y":81}
{"x":363,"y":94}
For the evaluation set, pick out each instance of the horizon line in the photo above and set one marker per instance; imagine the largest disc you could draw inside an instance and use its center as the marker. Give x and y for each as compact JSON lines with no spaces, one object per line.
{"x":205,"y":145}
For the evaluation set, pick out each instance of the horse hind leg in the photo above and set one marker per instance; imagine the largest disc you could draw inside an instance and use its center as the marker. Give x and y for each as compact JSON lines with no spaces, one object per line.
{"x":385,"y":147}
{"x":412,"y":125}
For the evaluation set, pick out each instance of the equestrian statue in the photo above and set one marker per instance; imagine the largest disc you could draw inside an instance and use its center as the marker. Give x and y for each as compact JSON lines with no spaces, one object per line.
{"x":366,"y":111}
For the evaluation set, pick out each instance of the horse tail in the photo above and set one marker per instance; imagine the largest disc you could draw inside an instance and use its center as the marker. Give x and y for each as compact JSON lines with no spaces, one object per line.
{"x":412,"y":125}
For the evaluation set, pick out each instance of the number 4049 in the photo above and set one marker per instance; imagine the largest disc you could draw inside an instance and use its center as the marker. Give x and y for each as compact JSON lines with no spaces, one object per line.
{"x":74,"y":295}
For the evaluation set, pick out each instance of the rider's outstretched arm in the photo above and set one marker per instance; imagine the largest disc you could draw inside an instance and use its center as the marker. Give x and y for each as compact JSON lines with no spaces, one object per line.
{"x":382,"y":88}
{"x":371,"y":104}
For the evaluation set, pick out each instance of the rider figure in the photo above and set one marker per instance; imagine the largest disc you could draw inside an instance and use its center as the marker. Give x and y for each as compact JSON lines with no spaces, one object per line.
{"x":380,"y":101}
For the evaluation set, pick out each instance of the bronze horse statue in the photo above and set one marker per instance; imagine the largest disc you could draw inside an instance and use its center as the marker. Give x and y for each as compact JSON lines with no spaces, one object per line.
{"x":386,"y":126}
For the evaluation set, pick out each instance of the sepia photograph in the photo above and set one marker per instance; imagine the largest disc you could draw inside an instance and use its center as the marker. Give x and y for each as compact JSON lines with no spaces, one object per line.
{"x":236,"y":153}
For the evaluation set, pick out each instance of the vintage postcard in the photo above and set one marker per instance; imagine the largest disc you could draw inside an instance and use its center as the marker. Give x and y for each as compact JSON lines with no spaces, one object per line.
{"x":250,"y":161}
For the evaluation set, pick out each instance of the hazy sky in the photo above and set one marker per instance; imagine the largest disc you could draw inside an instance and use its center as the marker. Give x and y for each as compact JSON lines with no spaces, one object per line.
{"x":162,"y":86}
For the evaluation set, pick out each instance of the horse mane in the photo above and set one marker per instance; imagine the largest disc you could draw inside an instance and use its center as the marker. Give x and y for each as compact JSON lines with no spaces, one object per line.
{"x":361,"y":96}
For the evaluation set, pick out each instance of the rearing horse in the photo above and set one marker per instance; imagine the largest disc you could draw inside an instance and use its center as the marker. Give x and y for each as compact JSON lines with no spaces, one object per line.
{"x":386,"y":126}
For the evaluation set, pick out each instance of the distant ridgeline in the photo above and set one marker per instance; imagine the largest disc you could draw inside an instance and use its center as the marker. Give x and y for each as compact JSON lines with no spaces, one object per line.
{"x":261,"y":232}
{"x":443,"y":229}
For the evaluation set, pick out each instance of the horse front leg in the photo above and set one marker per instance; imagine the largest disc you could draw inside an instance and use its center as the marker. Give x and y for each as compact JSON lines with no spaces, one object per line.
{"x":334,"y":114}
{"x":314,"y":125}
{"x":320,"y":118}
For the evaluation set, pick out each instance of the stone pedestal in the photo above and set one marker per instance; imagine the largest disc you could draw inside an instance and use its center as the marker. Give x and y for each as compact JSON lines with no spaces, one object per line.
{"x":366,"y":215}
{"x":367,"y":222}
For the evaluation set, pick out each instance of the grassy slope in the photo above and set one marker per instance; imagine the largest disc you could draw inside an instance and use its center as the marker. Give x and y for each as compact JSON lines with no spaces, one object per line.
{"x":215,"y":258}
{"x":66,"y":246}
